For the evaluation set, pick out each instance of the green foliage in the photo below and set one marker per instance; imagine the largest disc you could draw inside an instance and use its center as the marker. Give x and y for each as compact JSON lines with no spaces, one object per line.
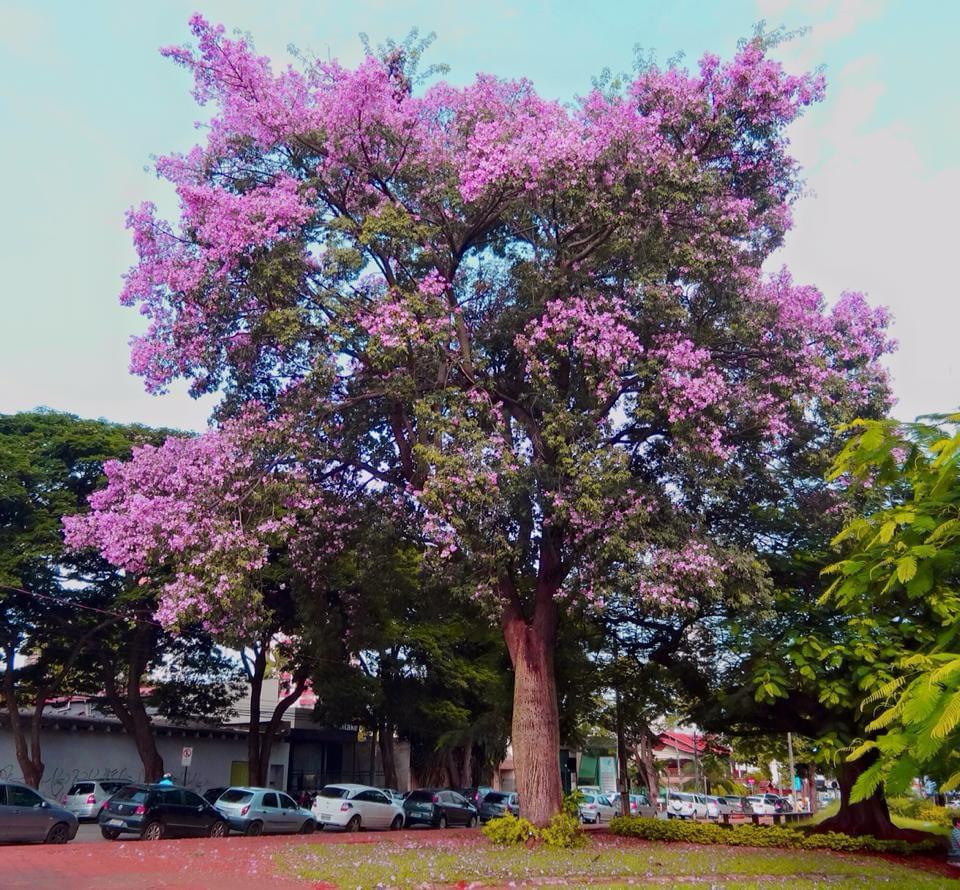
{"x":900,"y":558}
{"x":907,"y":807}
{"x":752,"y":836}
{"x":937,"y":815}
{"x":571,"y":803}
{"x":509,"y":830}
{"x":563,"y":832}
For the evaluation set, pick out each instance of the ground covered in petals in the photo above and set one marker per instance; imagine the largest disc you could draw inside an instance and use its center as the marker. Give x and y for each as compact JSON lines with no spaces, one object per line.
{"x":599,"y":865}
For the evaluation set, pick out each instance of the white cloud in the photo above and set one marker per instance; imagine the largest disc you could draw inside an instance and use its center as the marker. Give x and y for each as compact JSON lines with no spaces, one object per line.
{"x":880,"y":218}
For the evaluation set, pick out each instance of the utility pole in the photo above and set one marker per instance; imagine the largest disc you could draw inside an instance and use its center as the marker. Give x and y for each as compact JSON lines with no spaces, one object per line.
{"x":793,"y":782}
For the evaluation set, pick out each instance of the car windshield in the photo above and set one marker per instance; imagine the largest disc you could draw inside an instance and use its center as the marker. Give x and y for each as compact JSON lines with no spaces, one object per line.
{"x":137,"y":795}
{"x":333,"y":791}
{"x":235,"y":795}
{"x":420,"y":796}
{"x":110,"y":787}
{"x":496,"y":797}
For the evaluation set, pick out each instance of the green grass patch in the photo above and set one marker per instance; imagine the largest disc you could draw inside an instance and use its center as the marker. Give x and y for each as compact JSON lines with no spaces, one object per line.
{"x":409,"y":864}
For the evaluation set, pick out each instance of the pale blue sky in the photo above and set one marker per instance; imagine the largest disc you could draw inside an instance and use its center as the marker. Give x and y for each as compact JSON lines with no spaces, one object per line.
{"x":86,"y":100}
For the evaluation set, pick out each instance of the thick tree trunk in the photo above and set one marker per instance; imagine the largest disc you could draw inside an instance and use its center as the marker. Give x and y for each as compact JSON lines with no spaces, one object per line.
{"x":257,"y":672}
{"x":128,"y":707}
{"x":27,"y":752}
{"x":388,"y":755}
{"x":536,"y":732}
{"x":268,"y":735}
{"x":647,"y":766}
{"x":870,"y":816}
{"x":466,"y":770}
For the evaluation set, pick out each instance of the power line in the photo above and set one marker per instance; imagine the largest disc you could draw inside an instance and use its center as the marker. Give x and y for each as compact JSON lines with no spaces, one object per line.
{"x":74,"y":604}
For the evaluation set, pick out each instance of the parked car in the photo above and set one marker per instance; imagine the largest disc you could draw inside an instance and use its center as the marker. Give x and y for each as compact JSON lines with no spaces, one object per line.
{"x":26,"y":816}
{"x":86,"y":799}
{"x":439,"y":807}
{"x":211,"y":794}
{"x":159,"y":811}
{"x":681,"y":805}
{"x":475,"y":795}
{"x":713,"y":807}
{"x":393,"y":794}
{"x":787,"y":806}
{"x":256,"y":811}
{"x":596,"y":808}
{"x":353,"y":807}
{"x":499,"y":803}
{"x":766,"y":804}
{"x":733,"y":806}
{"x":639,"y":805}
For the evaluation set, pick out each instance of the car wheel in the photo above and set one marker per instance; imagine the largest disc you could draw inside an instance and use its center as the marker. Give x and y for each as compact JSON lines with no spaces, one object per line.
{"x":472,"y":823}
{"x":319,"y":826}
{"x":443,"y":821}
{"x":254,"y":829}
{"x":354,"y":824}
{"x":152,"y":831}
{"x":58,"y":834}
{"x":308,"y":827}
{"x":397,"y":823}
{"x":219,"y":829}
{"x":111,"y":834}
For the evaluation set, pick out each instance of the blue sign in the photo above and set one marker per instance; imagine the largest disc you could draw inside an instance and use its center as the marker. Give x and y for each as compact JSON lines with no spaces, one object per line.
{"x":797,"y":786}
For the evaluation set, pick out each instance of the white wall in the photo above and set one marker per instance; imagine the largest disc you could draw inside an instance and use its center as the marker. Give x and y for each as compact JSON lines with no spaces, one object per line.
{"x":83,"y":754}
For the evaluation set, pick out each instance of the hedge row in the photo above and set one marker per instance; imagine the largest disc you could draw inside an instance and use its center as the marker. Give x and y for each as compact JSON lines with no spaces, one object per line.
{"x":919,"y":808}
{"x":755,"y":836}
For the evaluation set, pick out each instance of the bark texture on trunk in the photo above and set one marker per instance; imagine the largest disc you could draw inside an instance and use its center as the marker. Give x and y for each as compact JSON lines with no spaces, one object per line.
{"x":647,"y":765}
{"x":388,"y":755}
{"x":870,"y":816}
{"x":28,"y":752}
{"x":128,"y":706}
{"x":536,"y":733}
{"x":262,"y":738}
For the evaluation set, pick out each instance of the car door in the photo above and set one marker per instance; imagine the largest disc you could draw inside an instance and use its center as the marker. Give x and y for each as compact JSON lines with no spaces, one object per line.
{"x":462,"y":807}
{"x":196,"y":813}
{"x":170,"y":808}
{"x":290,"y":815}
{"x":272,"y":815}
{"x":29,"y":818}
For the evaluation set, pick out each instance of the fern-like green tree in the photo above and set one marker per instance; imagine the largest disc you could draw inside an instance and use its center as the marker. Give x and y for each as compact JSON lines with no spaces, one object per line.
{"x":902,"y":559}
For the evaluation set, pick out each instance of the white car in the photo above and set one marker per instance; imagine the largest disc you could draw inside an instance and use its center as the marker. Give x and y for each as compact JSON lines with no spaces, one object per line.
{"x":713,"y":808}
{"x":681,"y":805}
{"x":596,"y":808}
{"x":353,"y":807}
{"x":763,"y":805}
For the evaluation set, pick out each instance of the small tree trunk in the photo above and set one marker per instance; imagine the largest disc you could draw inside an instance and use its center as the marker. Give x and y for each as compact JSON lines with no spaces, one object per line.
{"x":466,"y":770}
{"x":269,"y":733}
{"x":536,"y":731}
{"x":254,"y":758}
{"x":388,"y":755}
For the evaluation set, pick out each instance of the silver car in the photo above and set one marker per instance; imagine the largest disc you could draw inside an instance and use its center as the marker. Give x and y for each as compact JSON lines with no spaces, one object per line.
{"x":86,"y":799}
{"x":256,"y":811}
{"x":26,"y":816}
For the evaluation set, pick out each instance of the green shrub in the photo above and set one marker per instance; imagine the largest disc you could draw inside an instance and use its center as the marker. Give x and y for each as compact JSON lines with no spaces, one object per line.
{"x":756,"y":836}
{"x":571,"y":803}
{"x":563,"y":831}
{"x":508,"y":830}
{"x":929,"y":812}
{"x":905,"y":806}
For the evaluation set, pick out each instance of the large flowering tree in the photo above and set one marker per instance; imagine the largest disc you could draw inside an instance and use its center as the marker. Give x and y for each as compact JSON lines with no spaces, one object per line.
{"x":542,"y":326}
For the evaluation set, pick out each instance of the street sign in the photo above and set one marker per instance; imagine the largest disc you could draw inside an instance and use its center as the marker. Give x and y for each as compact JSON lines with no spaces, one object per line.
{"x":186,"y":756}
{"x":751,"y":780}
{"x":797,"y":784}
